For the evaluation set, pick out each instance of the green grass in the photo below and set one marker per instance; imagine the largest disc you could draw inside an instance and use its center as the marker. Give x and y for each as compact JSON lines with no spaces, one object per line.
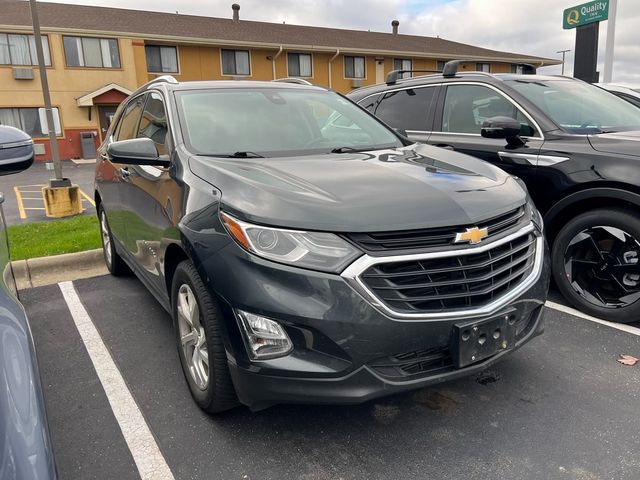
{"x":40,"y":239}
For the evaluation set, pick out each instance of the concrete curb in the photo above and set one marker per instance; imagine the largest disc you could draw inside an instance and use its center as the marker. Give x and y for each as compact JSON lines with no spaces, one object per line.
{"x":36,"y":272}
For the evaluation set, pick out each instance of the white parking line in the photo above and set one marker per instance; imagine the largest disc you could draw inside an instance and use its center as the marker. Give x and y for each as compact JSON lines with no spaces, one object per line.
{"x":144,"y":449}
{"x":577,"y":313}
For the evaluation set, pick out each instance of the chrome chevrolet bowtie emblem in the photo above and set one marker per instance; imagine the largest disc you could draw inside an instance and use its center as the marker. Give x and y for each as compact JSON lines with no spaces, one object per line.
{"x":472,"y":235}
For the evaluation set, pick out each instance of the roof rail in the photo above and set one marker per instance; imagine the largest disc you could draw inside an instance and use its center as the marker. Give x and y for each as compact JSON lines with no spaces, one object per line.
{"x":392,"y":76}
{"x":163,"y":79}
{"x":299,"y":81}
{"x":451,"y":67}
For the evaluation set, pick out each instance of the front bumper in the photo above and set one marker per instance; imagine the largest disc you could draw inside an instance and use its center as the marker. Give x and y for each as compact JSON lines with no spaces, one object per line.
{"x":340,"y":339}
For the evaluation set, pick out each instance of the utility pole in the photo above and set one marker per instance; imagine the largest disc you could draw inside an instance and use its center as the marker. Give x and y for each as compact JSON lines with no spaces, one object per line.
{"x":59,"y":181}
{"x":611,"y":38}
{"x":563,"y":52}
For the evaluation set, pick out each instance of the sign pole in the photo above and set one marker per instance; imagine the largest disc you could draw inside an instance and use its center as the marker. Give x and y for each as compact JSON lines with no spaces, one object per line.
{"x":611,"y":38}
{"x":60,"y":181}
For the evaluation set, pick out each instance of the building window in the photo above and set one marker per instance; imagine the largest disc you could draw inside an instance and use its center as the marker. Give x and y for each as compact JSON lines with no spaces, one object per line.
{"x":517,"y":69}
{"x":354,"y":67}
{"x":299,"y":64}
{"x":32,"y":121}
{"x":18,"y":50}
{"x":440,"y":65}
{"x":483,"y":67}
{"x":403,"y":64}
{"x":91,"y":52}
{"x":161,"y":59}
{"x":235,"y":62}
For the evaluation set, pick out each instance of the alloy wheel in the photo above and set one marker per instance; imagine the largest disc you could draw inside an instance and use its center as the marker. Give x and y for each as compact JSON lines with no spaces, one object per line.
{"x":192,"y":337}
{"x":602,"y":264}
{"x":106,"y":238}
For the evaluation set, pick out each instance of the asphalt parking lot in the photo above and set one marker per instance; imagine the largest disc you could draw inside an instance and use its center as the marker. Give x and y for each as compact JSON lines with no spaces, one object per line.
{"x":559,"y":408}
{"x":23,"y":191}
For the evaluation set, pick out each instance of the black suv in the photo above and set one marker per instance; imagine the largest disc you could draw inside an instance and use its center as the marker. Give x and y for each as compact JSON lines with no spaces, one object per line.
{"x":308,"y":253}
{"x":577,"y":148}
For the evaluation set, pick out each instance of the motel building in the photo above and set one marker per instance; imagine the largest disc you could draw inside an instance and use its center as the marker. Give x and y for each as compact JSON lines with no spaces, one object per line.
{"x":97,"y":56}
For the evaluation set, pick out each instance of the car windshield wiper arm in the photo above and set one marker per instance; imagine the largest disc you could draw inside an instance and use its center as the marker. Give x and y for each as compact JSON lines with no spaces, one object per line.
{"x":349,"y":149}
{"x":234,"y":155}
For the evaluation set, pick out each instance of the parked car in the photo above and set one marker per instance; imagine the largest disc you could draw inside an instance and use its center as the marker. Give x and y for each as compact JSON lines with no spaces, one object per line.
{"x":303,"y":268}
{"x":630,"y":94}
{"x":25,"y":445}
{"x":576,"y":147}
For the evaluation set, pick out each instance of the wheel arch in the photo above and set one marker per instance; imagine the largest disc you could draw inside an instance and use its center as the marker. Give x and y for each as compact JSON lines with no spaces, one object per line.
{"x":585,"y":200}
{"x":173,"y":255}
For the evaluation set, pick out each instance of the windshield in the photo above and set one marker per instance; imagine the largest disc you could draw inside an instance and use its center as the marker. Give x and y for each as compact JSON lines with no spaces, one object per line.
{"x":274,"y":122}
{"x":579,"y":107}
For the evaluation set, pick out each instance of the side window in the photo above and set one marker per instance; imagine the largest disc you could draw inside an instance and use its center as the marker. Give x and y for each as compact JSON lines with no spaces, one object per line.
{"x":129,"y":122}
{"x":407,"y":109}
{"x":466,"y":107}
{"x":153,"y":123}
{"x":369,"y":103}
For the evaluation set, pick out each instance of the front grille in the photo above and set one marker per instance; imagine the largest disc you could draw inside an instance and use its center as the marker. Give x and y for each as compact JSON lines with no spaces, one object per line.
{"x":432,"y":360}
{"x":432,"y":237}
{"x":457,"y":282}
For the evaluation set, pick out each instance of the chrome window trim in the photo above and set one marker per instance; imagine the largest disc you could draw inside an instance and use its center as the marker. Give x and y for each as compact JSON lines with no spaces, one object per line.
{"x":353,"y":272}
{"x":513,"y":102}
{"x":384,"y":92}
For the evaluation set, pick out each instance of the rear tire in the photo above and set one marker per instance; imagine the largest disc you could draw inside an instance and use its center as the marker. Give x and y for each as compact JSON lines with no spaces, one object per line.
{"x":596,"y":264}
{"x":115,"y":264}
{"x":197,"y":325}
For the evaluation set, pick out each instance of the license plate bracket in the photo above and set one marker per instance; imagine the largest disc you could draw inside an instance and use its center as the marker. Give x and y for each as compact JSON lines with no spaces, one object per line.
{"x":477,"y":340}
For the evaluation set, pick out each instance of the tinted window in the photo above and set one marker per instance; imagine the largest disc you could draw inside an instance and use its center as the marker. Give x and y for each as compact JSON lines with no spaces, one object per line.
{"x":370,"y":103}
{"x":129,"y":124}
{"x":466,"y":107}
{"x":407,"y":109}
{"x":153,"y":123}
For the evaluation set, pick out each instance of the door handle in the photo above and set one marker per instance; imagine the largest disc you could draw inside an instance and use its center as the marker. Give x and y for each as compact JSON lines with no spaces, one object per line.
{"x":445,"y":146}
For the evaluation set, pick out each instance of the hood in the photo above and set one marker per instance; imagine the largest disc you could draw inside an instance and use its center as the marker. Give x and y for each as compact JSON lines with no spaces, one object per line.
{"x":419,"y":186}
{"x":621,"y":143}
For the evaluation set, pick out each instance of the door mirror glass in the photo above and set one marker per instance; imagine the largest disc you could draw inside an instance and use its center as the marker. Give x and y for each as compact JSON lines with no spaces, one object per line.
{"x":136,"y":151}
{"x":16,"y":150}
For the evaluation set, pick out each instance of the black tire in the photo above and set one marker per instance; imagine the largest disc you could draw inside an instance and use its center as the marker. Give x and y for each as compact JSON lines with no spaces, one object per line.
{"x":115,"y":264}
{"x":596,"y":277}
{"x":218,"y":394}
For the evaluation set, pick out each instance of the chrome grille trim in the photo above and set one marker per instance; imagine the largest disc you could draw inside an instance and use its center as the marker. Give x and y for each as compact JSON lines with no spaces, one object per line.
{"x":352,"y":275}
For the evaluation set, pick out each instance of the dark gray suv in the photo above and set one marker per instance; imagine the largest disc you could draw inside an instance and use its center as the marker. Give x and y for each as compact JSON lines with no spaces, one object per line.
{"x":306,"y":252}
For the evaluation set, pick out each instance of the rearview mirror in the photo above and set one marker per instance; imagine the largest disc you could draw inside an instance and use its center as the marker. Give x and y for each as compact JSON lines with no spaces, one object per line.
{"x":16,"y":150}
{"x":136,"y":151}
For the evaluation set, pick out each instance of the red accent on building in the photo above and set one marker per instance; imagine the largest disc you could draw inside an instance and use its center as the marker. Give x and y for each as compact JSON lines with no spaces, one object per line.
{"x":112,"y":97}
{"x":69,"y":145}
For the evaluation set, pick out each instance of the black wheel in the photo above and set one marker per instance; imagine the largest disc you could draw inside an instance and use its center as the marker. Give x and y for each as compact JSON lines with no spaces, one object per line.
{"x":197,"y":318}
{"x":596,"y":264}
{"x":114,"y":262}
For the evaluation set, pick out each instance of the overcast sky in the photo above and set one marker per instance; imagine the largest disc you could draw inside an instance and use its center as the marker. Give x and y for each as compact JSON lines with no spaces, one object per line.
{"x":522,"y":26}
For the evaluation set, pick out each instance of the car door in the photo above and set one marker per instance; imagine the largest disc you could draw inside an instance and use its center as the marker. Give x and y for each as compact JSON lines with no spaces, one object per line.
{"x":111,"y":177}
{"x":460,"y":113}
{"x":152,"y":196}
{"x":407,"y":109}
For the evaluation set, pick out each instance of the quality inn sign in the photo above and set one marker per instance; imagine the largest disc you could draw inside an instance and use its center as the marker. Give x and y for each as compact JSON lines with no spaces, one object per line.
{"x":586,"y":13}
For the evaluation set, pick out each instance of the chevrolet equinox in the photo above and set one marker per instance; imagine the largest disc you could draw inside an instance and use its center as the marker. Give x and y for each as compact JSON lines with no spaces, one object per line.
{"x":306,"y":252}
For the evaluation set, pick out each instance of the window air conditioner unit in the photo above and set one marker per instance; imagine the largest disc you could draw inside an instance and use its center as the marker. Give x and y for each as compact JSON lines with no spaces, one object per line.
{"x":356,"y":83}
{"x":23,"y":73}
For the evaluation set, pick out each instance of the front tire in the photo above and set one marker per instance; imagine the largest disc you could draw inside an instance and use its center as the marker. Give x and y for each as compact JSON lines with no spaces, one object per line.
{"x":596,"y":264}
{"x":197,"y":325}
{"x":115,"y":264}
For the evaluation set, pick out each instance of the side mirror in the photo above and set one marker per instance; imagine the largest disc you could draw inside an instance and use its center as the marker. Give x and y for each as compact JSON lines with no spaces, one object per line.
{"x":136,"y":151}
{"x":500,"y":127}
{"x":16,"y":150}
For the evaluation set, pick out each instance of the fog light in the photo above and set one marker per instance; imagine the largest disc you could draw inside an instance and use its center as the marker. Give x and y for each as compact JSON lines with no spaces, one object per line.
{"x":265,"y":338}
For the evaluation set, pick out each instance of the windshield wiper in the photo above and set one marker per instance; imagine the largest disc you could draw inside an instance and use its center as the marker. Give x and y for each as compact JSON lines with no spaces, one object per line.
{"x":349,"y":149}
{"x":234,"y":155}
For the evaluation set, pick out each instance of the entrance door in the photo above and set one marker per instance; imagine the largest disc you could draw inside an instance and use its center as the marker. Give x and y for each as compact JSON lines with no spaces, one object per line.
{"x":379,"y":71}
{"x":105,"y":114}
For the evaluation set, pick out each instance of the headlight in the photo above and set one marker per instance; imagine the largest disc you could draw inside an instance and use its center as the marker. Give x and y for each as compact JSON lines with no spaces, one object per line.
{"x":534,"y":214}
{"x":314,"y":250}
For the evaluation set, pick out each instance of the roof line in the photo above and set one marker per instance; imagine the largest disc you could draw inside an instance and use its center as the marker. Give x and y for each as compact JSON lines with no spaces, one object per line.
{"x":263,"y":45}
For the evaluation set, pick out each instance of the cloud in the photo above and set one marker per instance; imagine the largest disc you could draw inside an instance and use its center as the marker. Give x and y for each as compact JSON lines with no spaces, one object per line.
{"x":521,"y":26}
